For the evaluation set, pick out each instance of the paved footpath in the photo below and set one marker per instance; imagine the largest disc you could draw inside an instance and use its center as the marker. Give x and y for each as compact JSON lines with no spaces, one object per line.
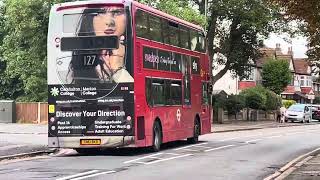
{"x":28,"y":138}
{"x":251,"y":125}
{"x":22,"y":138}
{"x":307,"y":169}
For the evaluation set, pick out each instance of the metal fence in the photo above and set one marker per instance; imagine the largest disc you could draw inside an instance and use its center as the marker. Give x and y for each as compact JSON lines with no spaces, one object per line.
{"x":36,"y":112}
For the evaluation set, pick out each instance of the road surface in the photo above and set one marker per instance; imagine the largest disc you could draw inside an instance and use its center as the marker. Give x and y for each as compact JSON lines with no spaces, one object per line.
{"x":231,"y":155}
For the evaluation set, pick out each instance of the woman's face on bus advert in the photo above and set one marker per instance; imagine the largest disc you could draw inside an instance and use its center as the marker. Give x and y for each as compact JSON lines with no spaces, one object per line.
{"x":111,"y":21}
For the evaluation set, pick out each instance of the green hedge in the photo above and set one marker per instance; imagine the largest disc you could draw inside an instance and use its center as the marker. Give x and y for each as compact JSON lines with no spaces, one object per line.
{"x":234,"y":104}
{"x":260,"y":98}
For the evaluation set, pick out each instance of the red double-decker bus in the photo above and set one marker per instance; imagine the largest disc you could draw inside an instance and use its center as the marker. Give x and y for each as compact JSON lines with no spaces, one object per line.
{"x":123,"y":74}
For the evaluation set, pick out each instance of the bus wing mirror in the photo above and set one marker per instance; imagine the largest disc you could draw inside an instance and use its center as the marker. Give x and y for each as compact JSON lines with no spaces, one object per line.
{"x":89,"y":43}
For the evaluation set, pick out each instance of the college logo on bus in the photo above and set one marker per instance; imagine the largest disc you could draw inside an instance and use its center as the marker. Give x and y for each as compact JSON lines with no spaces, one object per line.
{"x":54,"y":91}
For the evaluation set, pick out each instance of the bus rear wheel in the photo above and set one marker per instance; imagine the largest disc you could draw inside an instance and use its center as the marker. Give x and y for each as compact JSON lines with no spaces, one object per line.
{"x":196,"y":133}
{"x":157,"y":137}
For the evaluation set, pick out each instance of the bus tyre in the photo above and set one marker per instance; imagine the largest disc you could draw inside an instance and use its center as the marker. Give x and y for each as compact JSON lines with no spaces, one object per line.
{"x":157,"y":137}
{"x":196,"y":133}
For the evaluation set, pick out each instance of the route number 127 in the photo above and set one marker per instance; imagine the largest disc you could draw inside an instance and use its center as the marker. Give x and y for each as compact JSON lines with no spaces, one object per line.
{"x":89,"y":60}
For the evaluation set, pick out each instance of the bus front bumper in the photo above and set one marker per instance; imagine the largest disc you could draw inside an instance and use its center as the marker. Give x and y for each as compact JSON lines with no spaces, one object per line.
{"x":106,"y":142}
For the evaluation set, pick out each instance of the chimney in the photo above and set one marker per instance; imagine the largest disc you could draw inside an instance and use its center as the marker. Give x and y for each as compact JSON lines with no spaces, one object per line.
{"x":278,"y":49}
{"x":290,"y":52}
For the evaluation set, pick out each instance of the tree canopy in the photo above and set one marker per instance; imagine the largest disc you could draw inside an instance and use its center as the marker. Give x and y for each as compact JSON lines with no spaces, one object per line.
{"x":23,"y":42}
{"x":308,"y":13}
{"x":235,"y":28}
{"x":276,"y":75}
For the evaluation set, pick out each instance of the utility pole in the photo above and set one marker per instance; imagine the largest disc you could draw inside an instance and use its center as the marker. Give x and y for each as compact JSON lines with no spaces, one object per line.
{"x":205,"y":13}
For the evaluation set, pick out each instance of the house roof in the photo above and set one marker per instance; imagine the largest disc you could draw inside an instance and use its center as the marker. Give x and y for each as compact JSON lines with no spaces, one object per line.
{"x":301,"y":66}
{"x":267,"y":53}
{"x":271,"y":53}
{"x":307,"y":90}
{"x":220,"y":92}
{"x":289,"y":90}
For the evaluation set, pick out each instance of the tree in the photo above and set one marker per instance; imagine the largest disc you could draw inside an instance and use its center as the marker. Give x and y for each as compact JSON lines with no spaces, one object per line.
{"x":183,"y":9}
{"x":235,"y":28}
{"x":276,"y":75}
{"x":308,"y":13}
{"x":10,"y":87}
{"x":23,"y":48}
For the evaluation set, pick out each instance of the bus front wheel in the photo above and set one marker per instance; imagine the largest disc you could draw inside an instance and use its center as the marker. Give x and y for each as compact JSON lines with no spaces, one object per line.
{"x":196,"y":133}
{"x":157,"y":137}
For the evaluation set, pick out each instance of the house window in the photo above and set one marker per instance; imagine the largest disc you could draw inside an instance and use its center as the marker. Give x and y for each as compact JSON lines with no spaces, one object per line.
{"x":292,"y":80}
{"x":250,"y":75}
{"x":302,"y":83}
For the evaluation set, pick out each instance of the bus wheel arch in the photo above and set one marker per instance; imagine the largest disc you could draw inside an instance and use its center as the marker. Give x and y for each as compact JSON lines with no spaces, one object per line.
{"x":196,"y":130}
{"x":157,"y":135}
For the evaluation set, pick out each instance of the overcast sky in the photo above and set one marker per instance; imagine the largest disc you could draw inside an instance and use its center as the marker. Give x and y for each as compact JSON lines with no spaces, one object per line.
{"x":298,"y":45}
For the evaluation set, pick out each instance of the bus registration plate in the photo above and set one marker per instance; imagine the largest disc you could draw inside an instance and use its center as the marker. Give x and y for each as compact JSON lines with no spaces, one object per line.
{"x":90,"y":141}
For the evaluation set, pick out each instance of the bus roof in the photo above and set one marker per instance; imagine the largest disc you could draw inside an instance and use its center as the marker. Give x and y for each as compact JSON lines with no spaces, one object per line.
{"x":77,"y":4}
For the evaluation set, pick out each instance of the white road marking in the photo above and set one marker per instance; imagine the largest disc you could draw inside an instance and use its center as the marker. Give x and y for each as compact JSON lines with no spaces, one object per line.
{"x":294,"y":133}
{"x":175,"y":154}
{"x":271,"y":137}
{"x":167,"y":159}
{"x":189,"y":146}
{"x":93,"y":175}
{"x":221,"y":147}
{"x":229,"y":139}
{"x":254,"y":140}
{"x":203,"y":146}
{"x":145,"y":157}
{"x":77,"y":175}
{"x":316,"y":130}
{"x":193,"y":150}
{"x":138,"y":162}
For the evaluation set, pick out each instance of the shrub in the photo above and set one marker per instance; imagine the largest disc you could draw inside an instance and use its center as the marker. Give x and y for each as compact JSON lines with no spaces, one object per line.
{"x":273,"y":101}
{"x":288,"y":103}
{"x":261,"y":98}
{"x":234,"y":104}
{"x":218,"y":101}
{"x":317,"y":100}
{"x":255,"y":98}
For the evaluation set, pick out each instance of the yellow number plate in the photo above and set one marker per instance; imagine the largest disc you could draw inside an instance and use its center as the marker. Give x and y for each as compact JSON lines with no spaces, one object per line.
{"x":90,"y":141}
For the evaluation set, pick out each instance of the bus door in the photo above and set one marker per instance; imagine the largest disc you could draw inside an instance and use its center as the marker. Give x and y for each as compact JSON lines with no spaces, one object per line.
{"x":186,"y":113}
{"x":205,"y":107}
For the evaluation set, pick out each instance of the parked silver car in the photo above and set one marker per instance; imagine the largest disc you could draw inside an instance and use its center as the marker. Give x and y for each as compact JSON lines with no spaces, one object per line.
{"x":298,"y":112}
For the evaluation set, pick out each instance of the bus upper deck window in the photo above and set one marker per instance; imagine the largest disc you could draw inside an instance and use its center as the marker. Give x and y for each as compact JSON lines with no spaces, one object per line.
{"x":142,"y":24}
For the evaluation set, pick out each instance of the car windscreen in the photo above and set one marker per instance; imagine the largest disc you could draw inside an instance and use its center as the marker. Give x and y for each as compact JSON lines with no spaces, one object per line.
{"x":297,"y":108}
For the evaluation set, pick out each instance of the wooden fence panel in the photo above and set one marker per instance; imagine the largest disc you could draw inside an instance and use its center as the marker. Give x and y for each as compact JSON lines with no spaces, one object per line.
{"x":28,"y":112}
{"x":44,"y":112}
